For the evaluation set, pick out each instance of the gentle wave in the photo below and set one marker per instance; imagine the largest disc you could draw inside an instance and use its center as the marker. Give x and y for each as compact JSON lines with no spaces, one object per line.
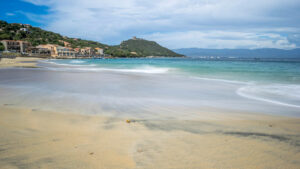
{"x":77,"y":61}
{"x":68,"y":64}
{"x":93,"y":68}
{"x":220,"y":80}
{"x":272,"y":93}
{"x":150,"y":70}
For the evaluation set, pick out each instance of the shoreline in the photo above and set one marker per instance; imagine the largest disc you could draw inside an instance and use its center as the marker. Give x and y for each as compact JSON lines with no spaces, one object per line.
{"x":33,"y":138}
{"x":49,"y":119}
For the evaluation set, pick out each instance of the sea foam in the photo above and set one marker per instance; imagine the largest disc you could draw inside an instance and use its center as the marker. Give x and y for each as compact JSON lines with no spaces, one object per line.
{"x":77,"y":61}
{"x":285,"y":95}
{"x":97,"y":68}
{"x":148,"y":69}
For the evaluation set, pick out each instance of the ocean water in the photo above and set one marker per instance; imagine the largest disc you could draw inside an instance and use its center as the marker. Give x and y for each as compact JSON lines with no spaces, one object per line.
{"x":285,"y":72}
{"x":184,"y":88}
{"x":276,"y":82}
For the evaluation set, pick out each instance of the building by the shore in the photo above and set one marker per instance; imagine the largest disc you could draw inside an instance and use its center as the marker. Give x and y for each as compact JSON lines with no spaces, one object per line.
{"x":51,"y":47}
{"x":66,"y":44}
{"x":50,"y":50}
{"x":64,"y":52}
{"x":15,"y":46}
{"x":99,"y":51}
{"x":87,"y":51}
{"x":57,"y":51}
{"x":39,"y":51}
{"x":77,"y":50}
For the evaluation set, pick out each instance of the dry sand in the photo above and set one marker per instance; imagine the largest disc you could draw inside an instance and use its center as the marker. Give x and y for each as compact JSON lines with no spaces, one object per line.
{"x":28,"y":62}
{"x":31,"y":138}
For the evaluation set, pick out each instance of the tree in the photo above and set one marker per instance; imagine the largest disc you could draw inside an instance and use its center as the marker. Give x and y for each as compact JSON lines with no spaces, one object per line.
{"x":1,"y":47}
{"x":4,"y":36}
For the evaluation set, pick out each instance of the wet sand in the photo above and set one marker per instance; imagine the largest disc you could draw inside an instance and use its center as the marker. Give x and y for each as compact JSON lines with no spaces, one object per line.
{"x":27,"y":62}
{"x":32,"y":138}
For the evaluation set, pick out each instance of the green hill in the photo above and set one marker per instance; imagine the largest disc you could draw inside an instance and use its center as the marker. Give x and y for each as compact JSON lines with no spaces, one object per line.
{"x":37,"y":36}
{"x":141,"y":47}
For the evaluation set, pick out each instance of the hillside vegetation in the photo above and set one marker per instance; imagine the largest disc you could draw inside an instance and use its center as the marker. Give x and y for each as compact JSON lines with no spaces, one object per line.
{"x":142,"y":47}
{"x":37,"y":36}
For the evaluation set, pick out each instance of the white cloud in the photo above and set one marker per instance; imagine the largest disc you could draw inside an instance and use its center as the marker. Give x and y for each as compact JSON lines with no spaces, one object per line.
{"x":221,"y":40}
{"x":235,"y":23}
{"x":9,"y":14}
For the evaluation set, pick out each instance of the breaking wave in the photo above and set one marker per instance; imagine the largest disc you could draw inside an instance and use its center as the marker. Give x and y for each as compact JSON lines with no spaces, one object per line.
{"x":97,"y":68}
{"x":285,"y":95}
{"x":77,"y":61}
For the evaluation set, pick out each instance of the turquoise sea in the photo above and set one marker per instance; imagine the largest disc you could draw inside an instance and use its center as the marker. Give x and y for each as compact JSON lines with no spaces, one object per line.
{"x":285,"y":72}
{"x":156,"y":88}
{"x":273,"y":81}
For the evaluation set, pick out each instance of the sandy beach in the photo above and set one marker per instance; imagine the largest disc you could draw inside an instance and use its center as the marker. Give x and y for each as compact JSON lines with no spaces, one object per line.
{"x":63,"y":117}
{"x":36,"y":139}
{"x":137,"y":84}
{"x":27,"y":62}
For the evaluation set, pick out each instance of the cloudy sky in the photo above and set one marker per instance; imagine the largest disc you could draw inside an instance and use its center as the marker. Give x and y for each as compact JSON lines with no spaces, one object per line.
{"x":172,"y":23}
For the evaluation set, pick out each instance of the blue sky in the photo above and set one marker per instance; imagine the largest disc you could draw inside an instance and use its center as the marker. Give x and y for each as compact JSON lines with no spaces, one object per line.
{"x":172,"y":23}
{"x":16,"y":11}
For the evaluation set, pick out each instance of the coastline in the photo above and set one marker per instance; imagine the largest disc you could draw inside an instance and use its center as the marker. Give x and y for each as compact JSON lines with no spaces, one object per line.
{"x":75,"y":134}
{"x":33,"y":138}
{"x":25,"y":62}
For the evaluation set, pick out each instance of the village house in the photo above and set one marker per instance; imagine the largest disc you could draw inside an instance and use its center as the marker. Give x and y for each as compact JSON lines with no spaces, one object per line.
{"x":52,"y":48}
{"x":57,"y":51}
{"x":26,"y":25}
{"x":49,"y":50}
{"x":77,"y":50}
{"x":64,"y":52}
{"x":99,"y":51}
{"x":89,"y":50}
{"x":15,"y":46}
{"x":67,"y":44}
{"x":21,"y":24}
{"x":82,"y":51}
{"x":24,"y":29}
{"x":39,"y":51}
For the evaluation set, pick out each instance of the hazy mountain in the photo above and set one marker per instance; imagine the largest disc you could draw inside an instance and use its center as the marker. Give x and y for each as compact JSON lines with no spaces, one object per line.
{"x":242,"y":53}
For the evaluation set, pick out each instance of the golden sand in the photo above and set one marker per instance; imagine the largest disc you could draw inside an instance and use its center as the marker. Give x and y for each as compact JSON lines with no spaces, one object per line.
{"x":28,"y":62}
{"x":31,"y":138}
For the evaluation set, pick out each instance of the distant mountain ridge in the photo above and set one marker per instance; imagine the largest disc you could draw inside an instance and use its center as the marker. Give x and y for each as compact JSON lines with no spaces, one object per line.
{"x":36,"y":36}
{"x":241,"y":53}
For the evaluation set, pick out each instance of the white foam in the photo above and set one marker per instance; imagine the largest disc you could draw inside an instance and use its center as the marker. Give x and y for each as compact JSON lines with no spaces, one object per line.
{"x":68,"y":64}
{"x":220,"y":80}
{"x":148,"y":69}
{"x":94,"y":68}
{"x":272,"y":93}
{"x":77,"y":61}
